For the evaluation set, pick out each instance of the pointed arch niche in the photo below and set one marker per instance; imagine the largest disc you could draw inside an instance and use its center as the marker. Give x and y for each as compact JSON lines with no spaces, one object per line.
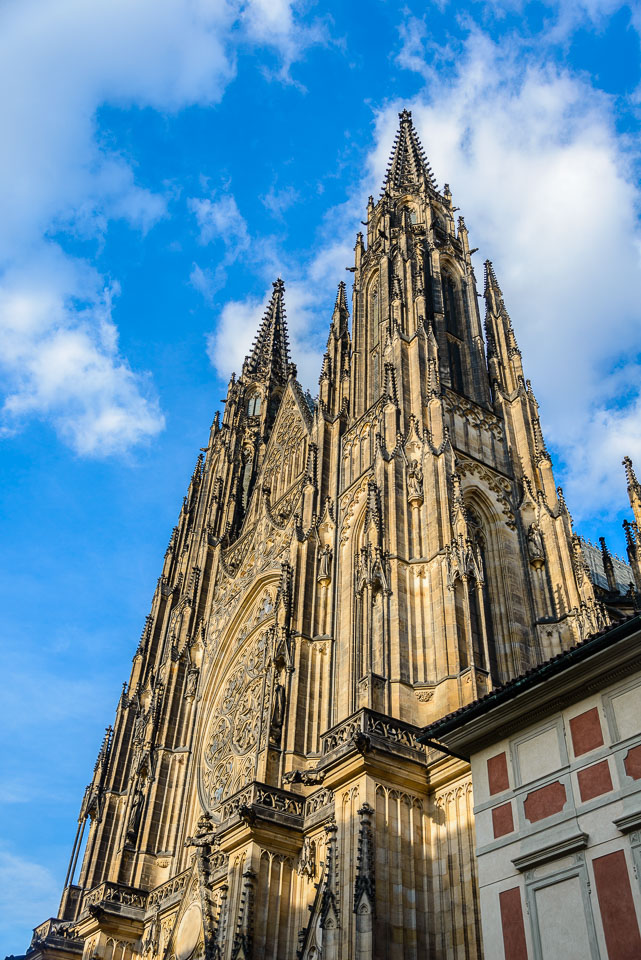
{"x":454,"y":315}
{"x":373,"y":328}
{"x":370,"y":619}
{"x":490,"y":624}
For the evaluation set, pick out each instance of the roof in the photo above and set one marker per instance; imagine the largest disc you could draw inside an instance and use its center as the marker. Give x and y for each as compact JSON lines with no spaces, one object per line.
{"x":531,"y":678}
{"x":269,"y":355}
{"x":408,"y":164}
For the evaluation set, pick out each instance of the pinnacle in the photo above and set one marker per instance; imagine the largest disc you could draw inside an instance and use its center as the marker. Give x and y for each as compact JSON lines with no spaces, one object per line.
{"x":408,"y":163}
{"x":490,"y":279}
{"x":629,"y":472}
{"x":269,"y":356}
{"x":341,"y":299}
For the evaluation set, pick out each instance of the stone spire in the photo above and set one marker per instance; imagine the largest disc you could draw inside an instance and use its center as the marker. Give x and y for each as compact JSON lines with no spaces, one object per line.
{"x":269,"y":355}
{"x":408,"y":164}
{"x":504,"y":356}
{"x":341,"y":313}
{"x":634,"y":490}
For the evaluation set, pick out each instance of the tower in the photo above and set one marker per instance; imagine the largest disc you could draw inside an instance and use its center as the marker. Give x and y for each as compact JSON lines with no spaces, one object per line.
{"x":342,"y":572}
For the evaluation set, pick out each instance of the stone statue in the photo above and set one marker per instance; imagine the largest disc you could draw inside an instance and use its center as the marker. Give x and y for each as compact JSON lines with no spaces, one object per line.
{"x":325,"y":565}
{"x":192,"y":683}
{"x":307,"y":859}
{"x":135,"y":813}
{"x":535,"y":546}
{"x":414,"y":482}
{"x":278,"y":713}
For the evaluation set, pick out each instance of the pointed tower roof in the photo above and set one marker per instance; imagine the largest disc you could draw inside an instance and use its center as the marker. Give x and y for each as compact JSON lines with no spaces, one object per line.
{"x":340,"y":312}
{"x":408,"y":163}
{"x":491,"y":283}
{"x":269,"y":355}
{"x":341,"y":298}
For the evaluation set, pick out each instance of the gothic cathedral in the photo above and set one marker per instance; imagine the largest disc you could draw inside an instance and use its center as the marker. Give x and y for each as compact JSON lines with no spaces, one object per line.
{"x":344,"y":571}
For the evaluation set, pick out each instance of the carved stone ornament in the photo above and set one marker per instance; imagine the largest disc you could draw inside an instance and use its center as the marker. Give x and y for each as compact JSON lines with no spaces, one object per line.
{"x":414,"y":484}
{"x":325,"y":566}
{"x":424,"y":695}
{"x":238,"y":728}
{"x":535,"y":549}
{"x":189,"y":931}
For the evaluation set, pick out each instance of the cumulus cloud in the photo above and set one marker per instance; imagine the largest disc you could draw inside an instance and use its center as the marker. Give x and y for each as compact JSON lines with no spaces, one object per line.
{"x":59,"y":64}
{"x":218,"y":219}
{"x":60,"y":358}
{"x":25,"y":887}
{"x":548,"y":193}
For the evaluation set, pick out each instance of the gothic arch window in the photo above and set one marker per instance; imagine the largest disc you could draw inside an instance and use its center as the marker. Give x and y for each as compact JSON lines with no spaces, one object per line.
{"x":248,"y":463}
{"x":374,"y":316}
{"x":411,"y":210}
{"x":451,"y":305}
{"x":453,"y":328}
{"x":253,"y":405}
{"x":373,"y":310}
{"x":456,"y":365}
{"x":483,"y":628}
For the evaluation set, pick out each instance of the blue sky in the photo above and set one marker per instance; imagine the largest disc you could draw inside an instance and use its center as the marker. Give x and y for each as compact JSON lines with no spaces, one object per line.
{"x":162,"y":161}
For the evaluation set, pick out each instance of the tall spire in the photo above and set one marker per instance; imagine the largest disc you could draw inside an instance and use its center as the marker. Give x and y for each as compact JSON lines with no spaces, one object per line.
{"x":269,"y":355}
{"x":408,"y":163}
{"x":495,"y":305}
{"x":341,"y":313}
{"x":634,"y":490}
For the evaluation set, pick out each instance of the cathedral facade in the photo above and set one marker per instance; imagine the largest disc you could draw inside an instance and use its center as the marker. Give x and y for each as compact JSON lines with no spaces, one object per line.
{"x":344,"y":571}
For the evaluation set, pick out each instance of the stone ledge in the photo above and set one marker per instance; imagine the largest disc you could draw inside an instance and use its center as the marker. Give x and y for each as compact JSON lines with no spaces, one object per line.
{"x":552,"y":851}
{"x":630,"y":821}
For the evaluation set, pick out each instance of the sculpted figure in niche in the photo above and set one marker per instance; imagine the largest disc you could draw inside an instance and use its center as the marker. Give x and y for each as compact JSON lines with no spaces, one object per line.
{"x":414,"y":481}
{"x":535,"y":546}
{"x":325,"y":565}
{"x":278,"y":713}
{"x":307,"y":860}
{"x":139,"y":726}
{"x":135,"y":813}
{"x":192,"y":682}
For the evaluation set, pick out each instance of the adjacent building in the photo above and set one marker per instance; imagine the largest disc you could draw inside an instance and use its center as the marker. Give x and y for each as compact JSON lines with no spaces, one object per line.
{"x":556,"y":771}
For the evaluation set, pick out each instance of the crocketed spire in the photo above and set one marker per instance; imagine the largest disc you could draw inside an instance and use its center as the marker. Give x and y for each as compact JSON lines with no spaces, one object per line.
{"x":408,"y":163}
{"x":269,"y":355}
{"x":341,"y":313}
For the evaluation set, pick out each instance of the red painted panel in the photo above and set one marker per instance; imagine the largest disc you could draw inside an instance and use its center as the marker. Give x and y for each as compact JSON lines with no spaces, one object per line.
{"x":497,"y":777}
{"x":618,"y":915}
{"x":594,"y":781}
{"x":545,"y":801}
{"x":502,"y":820}
{"x":512,"y":923}
{"x":632,"y":763}
{"x":586,"y":732}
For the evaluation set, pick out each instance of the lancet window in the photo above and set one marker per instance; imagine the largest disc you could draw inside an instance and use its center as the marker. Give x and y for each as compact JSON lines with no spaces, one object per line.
{"x":451,"y":305}
{"x":483,"y":595}
{"x":253,"y":405}
{"x":454,"y":328}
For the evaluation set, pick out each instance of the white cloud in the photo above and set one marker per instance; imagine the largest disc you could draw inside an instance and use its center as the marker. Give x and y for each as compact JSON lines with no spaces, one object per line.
{"x":218,"y":219}
{"x":547,"y":190}
{"x":221,"y":219}
{"x":61,"y":360}
{"x":58,"y":65}
{"x":25,"y":887}
{"x":279,"y":201}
